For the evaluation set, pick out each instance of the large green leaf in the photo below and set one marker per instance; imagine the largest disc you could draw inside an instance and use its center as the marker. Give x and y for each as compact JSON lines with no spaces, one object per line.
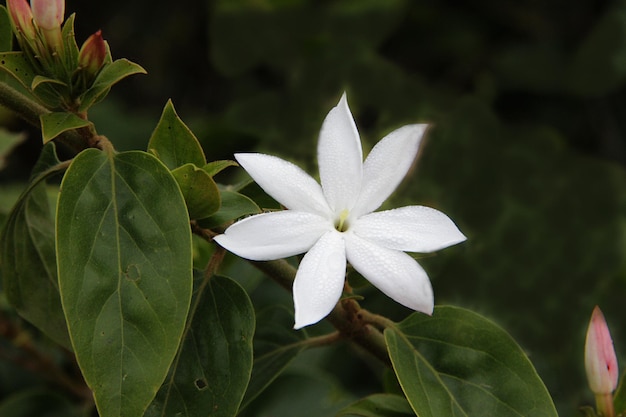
{"x":457,"y":363}
{"x":212,"y":370}
{"x":28,"y":256}
{"x":173,"y":143}
{"x":379,"y":405}
{"x":276,"y":344}
{"x":125,"y":274}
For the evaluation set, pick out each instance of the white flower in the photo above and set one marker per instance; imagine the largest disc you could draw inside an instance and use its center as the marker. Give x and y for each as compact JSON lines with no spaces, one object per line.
{"x":334,"y":223}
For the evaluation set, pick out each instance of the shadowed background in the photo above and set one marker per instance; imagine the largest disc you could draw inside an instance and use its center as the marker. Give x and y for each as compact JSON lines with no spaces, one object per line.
{"x":526,"y":153}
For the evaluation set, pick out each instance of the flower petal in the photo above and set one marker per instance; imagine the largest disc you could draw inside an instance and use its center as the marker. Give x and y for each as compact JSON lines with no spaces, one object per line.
{"x":276,"y":235}
{"x":386,"y":166}
{"x":411,"y":228}
{"x":340,"y":158}
{"x":319,"y":280}
{"x":393,"y":272}
{"x":285,"y":182}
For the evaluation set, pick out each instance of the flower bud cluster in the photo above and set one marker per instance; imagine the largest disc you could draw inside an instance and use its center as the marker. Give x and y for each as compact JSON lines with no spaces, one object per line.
{"x":50,"y":47}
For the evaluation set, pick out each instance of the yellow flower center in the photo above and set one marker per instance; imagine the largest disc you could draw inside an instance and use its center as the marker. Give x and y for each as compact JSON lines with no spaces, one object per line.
{"x":340,"y":223}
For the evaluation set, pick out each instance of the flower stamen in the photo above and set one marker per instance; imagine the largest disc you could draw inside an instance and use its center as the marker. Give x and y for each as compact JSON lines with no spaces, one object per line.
{"x":341,"y":224}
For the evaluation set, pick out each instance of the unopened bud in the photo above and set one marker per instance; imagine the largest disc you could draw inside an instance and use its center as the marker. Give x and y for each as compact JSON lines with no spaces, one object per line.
{"x":22,"y":18}
{"x":48,"y":14}
{"x":92,"y":54}
{"x":600,"y":359}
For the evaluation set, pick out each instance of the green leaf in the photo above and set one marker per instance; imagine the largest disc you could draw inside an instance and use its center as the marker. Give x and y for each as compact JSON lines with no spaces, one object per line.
{"x":199,"y":189}
{"x":36,"y":402}
{"x":17,"y":65}
{"x":49,"y":90}
{"x":6,"y":30}
{"x":215,"y":167}
{"x":109,"y":75}
{"x":379,"y":405}
{"x":234,"y":205}
{"x":69,"y":39}
{"x":276,"y":344}
{"x":28,"y":255}
{"x":173,"y":143}
{"x":213,"y":367}
{"x":125,"y":274}
{"x":457,"y":363}
{"x":53,"y":124}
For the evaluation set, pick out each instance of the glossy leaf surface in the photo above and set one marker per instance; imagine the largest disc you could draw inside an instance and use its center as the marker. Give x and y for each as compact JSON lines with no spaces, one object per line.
{"x":124,"y":260}
{"x":173,"y":143}
{"x":457,"y":363}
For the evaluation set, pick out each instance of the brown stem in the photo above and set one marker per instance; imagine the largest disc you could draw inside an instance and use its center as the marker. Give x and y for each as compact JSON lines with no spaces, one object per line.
{"x":348,"y":317}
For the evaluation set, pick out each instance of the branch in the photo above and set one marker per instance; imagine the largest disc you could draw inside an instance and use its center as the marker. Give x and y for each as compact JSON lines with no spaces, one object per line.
{"x":348,"y":317}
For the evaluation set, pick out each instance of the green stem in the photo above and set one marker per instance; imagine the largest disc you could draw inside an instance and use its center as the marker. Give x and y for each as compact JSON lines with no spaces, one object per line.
{"x":604,"y":405}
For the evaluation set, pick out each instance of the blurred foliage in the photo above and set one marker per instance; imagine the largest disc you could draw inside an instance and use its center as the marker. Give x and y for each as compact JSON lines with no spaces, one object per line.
{"x":526,"y":153}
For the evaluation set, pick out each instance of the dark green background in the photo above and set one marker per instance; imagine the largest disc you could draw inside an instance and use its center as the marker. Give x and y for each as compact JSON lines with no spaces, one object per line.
{"x":528,"y":104}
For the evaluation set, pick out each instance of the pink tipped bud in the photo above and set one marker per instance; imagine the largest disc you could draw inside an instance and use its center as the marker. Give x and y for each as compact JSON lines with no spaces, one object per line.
{"x":48,"y":14}
{"x":600,"y":359}
{"x":93,"y":53}
{"x":22,"y":17}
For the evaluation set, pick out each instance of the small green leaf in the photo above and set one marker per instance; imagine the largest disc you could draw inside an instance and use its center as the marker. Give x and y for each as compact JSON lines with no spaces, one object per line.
{"x":173,"y":143}
{"x":17,"y":65}
{"x":459,"y":363}
{"x":234,"y":205}
{"x":215,"y":167}
{"x":49,"y":90}
{"x":28,"y":256}
{"x":6,"y":30}
{"x":379,"y":405}
{"x":276,"y":344}
{"x":53,"y":124}
{"x":199,"y":189}
{"x":69,"y":38}
{"x":213,"y":367}
{"x":124,"y":257}
{"x":110,"y":74}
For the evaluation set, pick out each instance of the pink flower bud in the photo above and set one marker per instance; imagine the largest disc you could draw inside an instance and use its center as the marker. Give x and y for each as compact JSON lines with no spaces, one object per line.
{"x":600,"y":359}
{"x":22,"y":17}
{"x":92,"y":54}
{"x":48,"y":14}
